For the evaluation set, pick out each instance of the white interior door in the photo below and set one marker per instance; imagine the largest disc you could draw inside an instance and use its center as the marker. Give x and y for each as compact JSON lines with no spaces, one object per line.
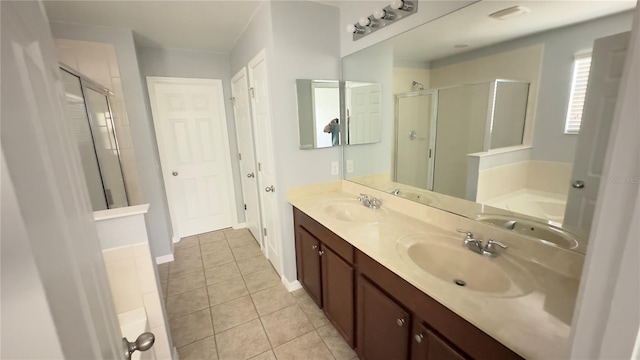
{"x":244,"y":133}
{"x":602,"y":93}
{"x":364,"y":114}
{"x":191,"y":129}
{"x":264,"y":155}
{"x":55,"y":301}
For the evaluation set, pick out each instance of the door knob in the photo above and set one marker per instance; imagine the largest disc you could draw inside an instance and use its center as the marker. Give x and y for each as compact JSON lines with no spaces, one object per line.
{"x":270,"y":189}
{"x":144,"y":342}
{"x":578,"y":184}
{"x":418,"y":338}
{"x":400,"y":322}
{"x":175,"y":173}
{"x":251,"y":175}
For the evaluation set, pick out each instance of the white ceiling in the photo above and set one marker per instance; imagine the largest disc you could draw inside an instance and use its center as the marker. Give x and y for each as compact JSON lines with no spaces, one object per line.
{"x":471,"y":25}
{"x":196,"y":25}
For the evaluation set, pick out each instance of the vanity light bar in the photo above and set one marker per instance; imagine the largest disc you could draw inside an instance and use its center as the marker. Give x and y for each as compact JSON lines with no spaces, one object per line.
{"x":394,"y":12}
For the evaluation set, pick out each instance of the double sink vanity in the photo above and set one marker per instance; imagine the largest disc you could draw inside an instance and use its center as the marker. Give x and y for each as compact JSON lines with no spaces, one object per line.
{"x":399,"y":281}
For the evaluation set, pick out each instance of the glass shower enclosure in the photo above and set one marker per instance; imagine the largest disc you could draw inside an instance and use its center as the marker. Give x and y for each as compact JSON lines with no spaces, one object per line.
{"x":89,"y":110}
{"x":437,"y":129}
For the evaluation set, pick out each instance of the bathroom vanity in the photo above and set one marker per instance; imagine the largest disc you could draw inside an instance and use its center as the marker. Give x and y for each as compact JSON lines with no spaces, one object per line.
{"x":386,"y":279}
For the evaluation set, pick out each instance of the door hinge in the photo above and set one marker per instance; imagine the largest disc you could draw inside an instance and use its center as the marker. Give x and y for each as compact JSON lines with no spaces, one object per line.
{"x":233,"y":100}
{"x":253,"y":92}
{"x":239,"y":156}
{"x":264,"y":231}
{"x":259,"y":167}
{"x":245,"y":206}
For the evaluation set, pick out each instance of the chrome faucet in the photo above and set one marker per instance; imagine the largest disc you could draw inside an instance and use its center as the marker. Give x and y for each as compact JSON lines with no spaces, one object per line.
{"x":396,"y":192}
{"x":373,"y":203}
{"x":476,"y":246}
{"x":510,"y":225}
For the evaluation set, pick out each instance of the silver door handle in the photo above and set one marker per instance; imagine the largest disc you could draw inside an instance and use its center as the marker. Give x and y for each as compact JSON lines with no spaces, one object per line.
{"x":400,"y":322}
{"x":270,"y":189}
{"x":578,"y":184}
{"x":175,"y":173}
{"x":144,"y":342}
{"x":251,"y":175}
{"x":418,"y":338}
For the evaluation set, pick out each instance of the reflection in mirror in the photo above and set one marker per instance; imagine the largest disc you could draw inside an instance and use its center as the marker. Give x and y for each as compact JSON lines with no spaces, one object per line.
{"x":488,"y":121}
{"x":362,"y":103}
{"x":318,"y":113}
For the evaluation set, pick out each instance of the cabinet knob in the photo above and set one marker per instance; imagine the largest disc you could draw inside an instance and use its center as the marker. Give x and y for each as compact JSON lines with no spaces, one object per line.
{"x":418,"y":338}
{"x":320,"y":252}
{"x":400,"y":322}
{"x":314,"y":247}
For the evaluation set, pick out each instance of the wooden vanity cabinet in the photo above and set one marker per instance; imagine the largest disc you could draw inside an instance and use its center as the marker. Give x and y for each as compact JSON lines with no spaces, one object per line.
{"x":326,"y":271}
{"x":391,"y":319}
{"x":383,"y":325}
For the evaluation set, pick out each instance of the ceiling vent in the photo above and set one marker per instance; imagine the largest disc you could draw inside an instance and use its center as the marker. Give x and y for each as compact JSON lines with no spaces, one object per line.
{"x":508,"y":13}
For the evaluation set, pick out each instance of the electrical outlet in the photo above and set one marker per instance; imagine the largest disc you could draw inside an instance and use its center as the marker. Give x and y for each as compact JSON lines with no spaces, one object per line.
{"x":335,"y":168}
{"x":349,"y":166}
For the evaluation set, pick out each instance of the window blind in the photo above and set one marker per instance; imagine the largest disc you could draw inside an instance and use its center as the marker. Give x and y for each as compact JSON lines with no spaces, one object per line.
{"x":582,"y":65}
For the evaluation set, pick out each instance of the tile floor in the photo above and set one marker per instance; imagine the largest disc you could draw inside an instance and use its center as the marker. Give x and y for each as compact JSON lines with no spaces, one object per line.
{"x":225,"y":301}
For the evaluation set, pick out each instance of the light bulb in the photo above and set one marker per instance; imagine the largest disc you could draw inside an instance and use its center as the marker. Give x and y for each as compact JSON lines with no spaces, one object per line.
{"x":398,"y":4}
{"x":351,"y":28}
{"x":364,"y":21}
{"x":379,"y":14}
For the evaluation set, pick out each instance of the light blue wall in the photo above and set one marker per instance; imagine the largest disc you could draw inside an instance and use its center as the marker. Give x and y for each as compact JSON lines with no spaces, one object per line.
{"x":560,"y":45}
{"x":198,"y":65}
{"x":141,"y":124}
{"x":301,"y":39}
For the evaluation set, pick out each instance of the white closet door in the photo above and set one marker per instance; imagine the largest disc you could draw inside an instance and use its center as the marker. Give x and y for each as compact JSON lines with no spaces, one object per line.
{"x":264,"y":154}
{"x":244,"y":133}
{"x":191,"y":129}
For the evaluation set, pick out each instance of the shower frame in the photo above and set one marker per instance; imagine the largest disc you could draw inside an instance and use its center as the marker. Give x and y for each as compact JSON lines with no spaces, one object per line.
{"x":88,"y":83}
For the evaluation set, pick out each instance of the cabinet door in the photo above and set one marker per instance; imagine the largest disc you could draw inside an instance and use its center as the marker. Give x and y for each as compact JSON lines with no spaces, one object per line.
{"x":425,"y":345}
{"x":309,"y":257}
{"x":337,"y":292}
{"x":383,"y":326}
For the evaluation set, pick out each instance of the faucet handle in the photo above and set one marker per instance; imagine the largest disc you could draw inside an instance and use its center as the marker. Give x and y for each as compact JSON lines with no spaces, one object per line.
{"x":467,"y":232}
{"x":492,"y":242}
{"x":363,"y":197}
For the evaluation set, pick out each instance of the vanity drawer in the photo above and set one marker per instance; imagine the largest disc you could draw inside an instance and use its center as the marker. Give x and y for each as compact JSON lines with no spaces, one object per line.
{"x":328,"y":238}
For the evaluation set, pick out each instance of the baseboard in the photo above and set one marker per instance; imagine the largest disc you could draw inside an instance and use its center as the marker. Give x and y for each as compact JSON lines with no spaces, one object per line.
{"x":239,"y":226}
{"x":164,"y":259}
{"x":291,"y":285}
{"x":176,"y":239}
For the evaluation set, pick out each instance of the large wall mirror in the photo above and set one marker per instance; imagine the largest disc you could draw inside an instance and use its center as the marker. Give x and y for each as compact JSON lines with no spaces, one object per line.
{"x":486,"y":117}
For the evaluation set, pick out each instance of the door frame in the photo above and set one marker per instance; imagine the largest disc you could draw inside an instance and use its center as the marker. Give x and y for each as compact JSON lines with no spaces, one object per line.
{"x":243,"y":72}
{"x":276,"y":232}
{"x":153,"y":80}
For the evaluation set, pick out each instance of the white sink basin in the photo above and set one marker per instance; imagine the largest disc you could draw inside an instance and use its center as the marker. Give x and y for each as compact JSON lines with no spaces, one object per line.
{"x":539,"y":230}
{"x":353,"y":211}
{"x":447,"y":260}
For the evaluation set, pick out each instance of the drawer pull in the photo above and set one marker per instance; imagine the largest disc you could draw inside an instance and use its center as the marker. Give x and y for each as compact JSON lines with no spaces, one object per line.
{"x":314,"y":247}
{"x":419,"y":338}
{"x":400,"y":322}
{"x":320,"y":252}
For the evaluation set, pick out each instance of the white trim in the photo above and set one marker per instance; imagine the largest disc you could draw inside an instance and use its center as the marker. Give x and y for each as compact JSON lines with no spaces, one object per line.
{"x":176,"y":239}
{"x":174,"y":354}
{"x":239,"y":226}
{"x":164,"y":259}
{"x":120,"y":212}
{"x":291,"y":285}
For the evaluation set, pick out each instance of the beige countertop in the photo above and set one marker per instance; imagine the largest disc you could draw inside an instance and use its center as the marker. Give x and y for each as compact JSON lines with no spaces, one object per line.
{"x":534,"y":321}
